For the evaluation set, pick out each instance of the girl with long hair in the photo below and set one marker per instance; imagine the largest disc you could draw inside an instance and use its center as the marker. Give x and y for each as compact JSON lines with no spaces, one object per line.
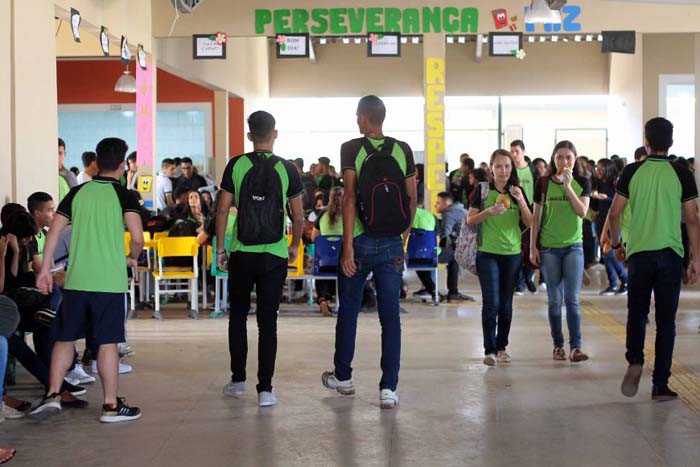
{"x":329,"y":223}
{"x":561,"y":202}
{"x":499,"y":255}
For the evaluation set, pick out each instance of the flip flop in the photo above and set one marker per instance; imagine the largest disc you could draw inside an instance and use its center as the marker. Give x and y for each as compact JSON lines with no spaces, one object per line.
{"x":6,"y":454}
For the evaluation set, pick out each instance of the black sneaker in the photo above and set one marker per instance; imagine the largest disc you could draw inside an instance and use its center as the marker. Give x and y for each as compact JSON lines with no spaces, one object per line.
{"x":422,"y":293}
{"x":622,"y":290}
{"x":663,"y":393}
{"x":530,"y":284}
{"x":458,"y":297}
{"x":120,"y":413}
{"x":74,"y":390}
{"x":49,"y":405}
{"x":609,"y":292}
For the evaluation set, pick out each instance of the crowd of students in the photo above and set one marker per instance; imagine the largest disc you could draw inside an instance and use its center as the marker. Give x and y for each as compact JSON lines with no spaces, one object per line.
{"x":530,"y":215}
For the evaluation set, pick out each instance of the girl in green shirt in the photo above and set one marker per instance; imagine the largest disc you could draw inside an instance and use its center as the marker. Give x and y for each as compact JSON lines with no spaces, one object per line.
{"x":329,"y":223}
{"x":561,"y":202}
{"x":498,"y":259}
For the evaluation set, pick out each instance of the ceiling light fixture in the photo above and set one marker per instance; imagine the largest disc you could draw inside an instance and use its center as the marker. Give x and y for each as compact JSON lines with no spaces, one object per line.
{"x":126,"y":82}
{"x":540,"y":12}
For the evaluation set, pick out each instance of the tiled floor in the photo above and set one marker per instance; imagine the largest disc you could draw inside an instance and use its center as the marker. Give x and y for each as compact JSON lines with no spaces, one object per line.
{"x":454,"y":410}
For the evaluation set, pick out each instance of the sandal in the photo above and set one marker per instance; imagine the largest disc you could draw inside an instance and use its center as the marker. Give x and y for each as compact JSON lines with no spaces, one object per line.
{"x":578,"y":356}
{"x":6,"y":454}
{"x":325,"y":308}
{"x":559,"y":353}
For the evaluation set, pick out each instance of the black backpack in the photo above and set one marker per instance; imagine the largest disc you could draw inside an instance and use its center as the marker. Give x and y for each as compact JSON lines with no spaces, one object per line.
{"x":382,"y":203}
{"x":260,"y":207}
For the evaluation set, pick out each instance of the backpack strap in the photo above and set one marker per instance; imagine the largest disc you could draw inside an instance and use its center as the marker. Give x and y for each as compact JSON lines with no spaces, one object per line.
{"x":369,"y":148}
{"x":388,"y":144}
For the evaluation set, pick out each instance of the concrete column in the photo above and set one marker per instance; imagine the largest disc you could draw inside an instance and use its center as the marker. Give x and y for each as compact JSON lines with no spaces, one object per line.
{"x":626,"y":110}
{"x":221,"y":129}
{"x":434,"y":92}
{"x":33,"y":107}
{"x":696,"y":54}
{"x":6,"y":188}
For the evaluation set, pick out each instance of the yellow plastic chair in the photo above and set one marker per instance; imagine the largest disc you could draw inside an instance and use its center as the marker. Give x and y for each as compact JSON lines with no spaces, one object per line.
{"x":174,"y":247}
{"x":140,"y":271}
{"x":296,"y":269}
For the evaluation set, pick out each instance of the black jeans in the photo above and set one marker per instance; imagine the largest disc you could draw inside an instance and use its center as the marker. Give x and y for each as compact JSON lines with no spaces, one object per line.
{"x":426,"y":279}
{"x":267,"y":274}
{"x":660,"y":272}
{"x":452,"y":278}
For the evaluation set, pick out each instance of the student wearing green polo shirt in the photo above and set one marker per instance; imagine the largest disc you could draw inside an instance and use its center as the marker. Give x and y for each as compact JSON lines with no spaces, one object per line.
{"x":425,"y":220}
{"x":329,"y":222}
{"x":561,"y":202}
{"x":94,"y":295}
{"x":499,"y":258}
{"x":658,"y":193}
{"x":253,"y":263}
{"x":41,"y":206}
{"x":527,"y":182}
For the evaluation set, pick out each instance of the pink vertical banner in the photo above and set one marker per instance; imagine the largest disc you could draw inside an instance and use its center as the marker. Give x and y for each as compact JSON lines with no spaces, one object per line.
{"x":144,"y":115}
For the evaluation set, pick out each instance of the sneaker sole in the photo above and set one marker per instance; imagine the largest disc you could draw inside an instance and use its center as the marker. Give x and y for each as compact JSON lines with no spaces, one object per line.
{"x":578,"y":359}
{"x":663,"y":398}
{"x":388,"y":404}
{"x":79,"y":393}
{"x":342,"y":391}
{"x":120,"y":418}
{"x":490,"y":361}
{"x":13,"y":416}
{"x":267,"y":404}
{"x":234,"y":394}
{"x":630,"y":383}
{"x":47,"y":409}
{"x":89,"y":380}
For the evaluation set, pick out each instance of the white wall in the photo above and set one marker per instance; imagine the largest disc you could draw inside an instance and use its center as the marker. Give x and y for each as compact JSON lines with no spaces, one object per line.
{"x":5,"y":102}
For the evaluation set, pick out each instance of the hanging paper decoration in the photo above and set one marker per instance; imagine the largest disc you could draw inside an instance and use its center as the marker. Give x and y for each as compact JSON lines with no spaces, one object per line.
{"x":519,"y":54}
{"x":513,"y":26}
{"x":104,"y":41}
{"x":500,"y":18}
{"x":220,"y":38}
{"x":141,"y":57}
{"x":125,"y":52}
{"x":75,"y":24}
{"x":282,"y":41}
{"x":375,"y":37}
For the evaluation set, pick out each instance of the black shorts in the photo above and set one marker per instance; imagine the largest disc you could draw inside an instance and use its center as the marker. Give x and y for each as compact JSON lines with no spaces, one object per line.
{"x":99,"y":315}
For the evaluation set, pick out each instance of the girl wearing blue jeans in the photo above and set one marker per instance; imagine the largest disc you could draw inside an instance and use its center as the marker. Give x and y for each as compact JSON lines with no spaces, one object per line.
{"x":499,"y":259}
{"x":556,"y":244}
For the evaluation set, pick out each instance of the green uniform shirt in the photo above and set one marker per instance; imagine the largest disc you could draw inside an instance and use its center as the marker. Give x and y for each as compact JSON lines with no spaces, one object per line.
{"x":98,"y":254}
{"x":561,"y":226}
{"x":527,"y":183}
{"x":500,"y":235}
{"x":292,"y":187}
{"x":40,"y":242}
{"x":425,"y":220}
{"x":625,"y":222}
{"x":656,"y":190}
{"x":63,"y":188}
{"x":353,"y":154}
{"x":326,"y":228}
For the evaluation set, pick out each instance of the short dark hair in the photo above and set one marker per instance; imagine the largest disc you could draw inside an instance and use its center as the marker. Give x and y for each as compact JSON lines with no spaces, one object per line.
{"x":167,"y":161}
{"x":659,"y":134}
{"x":8,"y":211}
{"x":61,"y":143}
{"x":186,"y":160}
{"x":537,"y":160}
{"x":639,"y":153}
{"x":131,"y":157}
{"x":447,"y":196}
{"x":299,"y":162}
{"x":36,"y":200}
{"x":177,"y":161}
{"x":88,"y":158}
{"x":469,"y":163}
{"x":261,"y":124}
{"x":179,"y":191}
{"x":373,"y":109}
{"x":323,"y":160}
{"x":22,"y":225}
{"x":480,"y":175}
{"x":111,"y":153}
{"x":519,"y":143}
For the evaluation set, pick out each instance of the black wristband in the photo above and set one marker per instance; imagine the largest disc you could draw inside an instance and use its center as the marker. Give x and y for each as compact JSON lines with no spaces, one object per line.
{"x":619,"y":245}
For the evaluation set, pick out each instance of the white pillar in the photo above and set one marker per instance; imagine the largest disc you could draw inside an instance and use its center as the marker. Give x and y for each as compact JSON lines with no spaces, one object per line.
{"x":6,"y":189}
{"x":696,"y":54}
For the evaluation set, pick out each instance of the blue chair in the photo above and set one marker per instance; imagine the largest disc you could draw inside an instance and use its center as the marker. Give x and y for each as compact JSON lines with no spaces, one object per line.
{"x":422,"y":255}
{"x":327,"y":260}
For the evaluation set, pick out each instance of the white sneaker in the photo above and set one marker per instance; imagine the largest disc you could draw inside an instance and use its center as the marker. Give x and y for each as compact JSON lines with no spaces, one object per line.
{"x":71,"y":381}
{"x":331,"y":382}
{"x":267,"y":399}
{"x":542,"y":287}
{"x":234,"y":389}
{"x":490,"y":360}
{"x":78,"y":373}
{"x":388,"y":399}
{"x":503,"y":357}
{"x":10,"y":413}
{"x":123,"y":368}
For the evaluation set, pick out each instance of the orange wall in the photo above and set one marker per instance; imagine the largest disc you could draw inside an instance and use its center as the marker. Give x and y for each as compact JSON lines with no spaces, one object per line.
{"x":235,"y":126}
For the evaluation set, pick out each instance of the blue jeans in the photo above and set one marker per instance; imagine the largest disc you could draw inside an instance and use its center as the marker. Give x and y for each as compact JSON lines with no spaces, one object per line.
{"x":614,"y":269}
{"x":384,"y":257}
{"x":563,"y":273}
{"x":3,"y":364}
{"x":660,"y":272}
{"x":497,"y":276}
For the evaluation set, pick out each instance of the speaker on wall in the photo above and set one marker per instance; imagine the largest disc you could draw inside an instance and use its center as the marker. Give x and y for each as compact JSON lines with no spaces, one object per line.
{"x":619,"y":41}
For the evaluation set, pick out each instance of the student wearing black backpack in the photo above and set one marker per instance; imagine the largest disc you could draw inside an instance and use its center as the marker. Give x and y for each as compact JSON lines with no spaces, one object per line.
{"x":262,"y":185}
{"x":379,"y":204}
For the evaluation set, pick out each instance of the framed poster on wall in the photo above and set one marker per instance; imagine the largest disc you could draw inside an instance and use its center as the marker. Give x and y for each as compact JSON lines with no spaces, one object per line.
{"x":505,"y":44}
{"x":292,"y":45}
{"x":383,"y":44}
{"x":205,"y":47}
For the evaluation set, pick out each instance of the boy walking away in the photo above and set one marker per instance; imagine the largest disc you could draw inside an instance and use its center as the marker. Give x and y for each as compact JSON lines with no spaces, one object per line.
{"x":94,"y":296}
{"x":379,"y":204}
{"x":263,"y":185}
{"x":658,"y":191}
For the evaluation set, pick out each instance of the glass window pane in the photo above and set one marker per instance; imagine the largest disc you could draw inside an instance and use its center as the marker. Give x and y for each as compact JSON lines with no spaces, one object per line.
{"x":680,"y":110}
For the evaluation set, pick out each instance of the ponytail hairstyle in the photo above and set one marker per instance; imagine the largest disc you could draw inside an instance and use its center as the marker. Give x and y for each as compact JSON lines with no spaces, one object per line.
{"x":513,"y":180}
{"x":335,"y":204}
{"x":564,"y":145}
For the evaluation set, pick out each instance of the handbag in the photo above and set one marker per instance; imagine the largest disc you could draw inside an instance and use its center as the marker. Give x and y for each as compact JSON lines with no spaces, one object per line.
{"x":467,"y":244}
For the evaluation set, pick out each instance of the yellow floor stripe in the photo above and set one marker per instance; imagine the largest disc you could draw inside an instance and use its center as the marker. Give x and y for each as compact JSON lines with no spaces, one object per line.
{"x":682,"y":379}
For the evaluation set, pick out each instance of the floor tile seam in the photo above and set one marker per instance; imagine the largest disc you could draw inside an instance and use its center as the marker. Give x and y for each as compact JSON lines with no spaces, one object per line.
{"x":690,"y":396}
